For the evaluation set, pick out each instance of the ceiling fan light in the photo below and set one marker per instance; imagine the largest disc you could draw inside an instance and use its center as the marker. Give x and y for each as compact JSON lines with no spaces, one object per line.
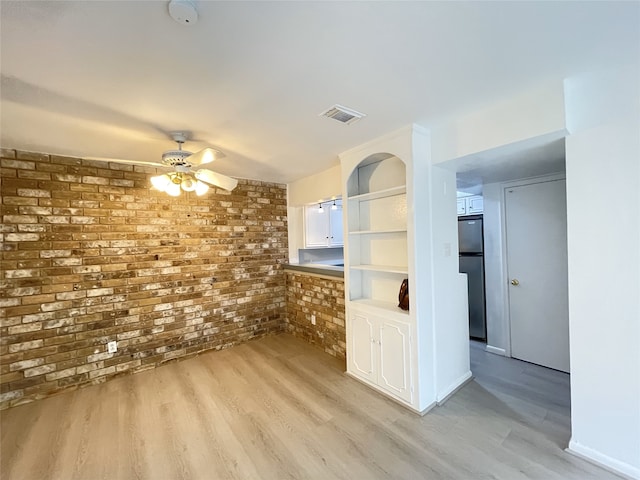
{"x":201,"y":188}
{"x":160,"y":182}
{"x":188,"y":185}
{"x":173,"y":189}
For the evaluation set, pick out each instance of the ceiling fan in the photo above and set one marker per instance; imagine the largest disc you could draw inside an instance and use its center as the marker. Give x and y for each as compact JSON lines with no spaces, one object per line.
{"x":188,"y":174}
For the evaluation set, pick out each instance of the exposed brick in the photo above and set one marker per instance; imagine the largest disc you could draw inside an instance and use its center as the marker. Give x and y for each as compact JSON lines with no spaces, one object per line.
{"x":33,"y":192}
{"x":322,"y":297}
{"x":24,"y":364}
{"x":93,"y":255}
{"x":68,"y":372}
{"x":20,"y":219}
{"x":18,"y":347}
{"x":29,"y":327}
{"x":32,"y":372}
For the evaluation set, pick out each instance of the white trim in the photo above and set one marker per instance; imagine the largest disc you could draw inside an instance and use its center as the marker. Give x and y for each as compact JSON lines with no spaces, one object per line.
{"x":391,"y":396}
{"x":495,"y":350}
{"x":453,"y":388}
{"x":604,"y":461}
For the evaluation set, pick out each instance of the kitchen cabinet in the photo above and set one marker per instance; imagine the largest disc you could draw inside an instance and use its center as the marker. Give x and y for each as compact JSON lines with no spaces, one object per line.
{"x":472,"y":205}
{"x":323,"y":227}
{"x":379,"y":352}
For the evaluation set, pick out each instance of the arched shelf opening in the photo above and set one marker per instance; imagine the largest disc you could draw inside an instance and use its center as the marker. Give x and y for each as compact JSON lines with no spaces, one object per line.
{"x":377,"y":256}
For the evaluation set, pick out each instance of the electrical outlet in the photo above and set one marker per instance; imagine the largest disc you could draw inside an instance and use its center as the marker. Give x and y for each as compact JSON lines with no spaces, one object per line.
{"x":112,"y":347}
{"x":313,"y":319}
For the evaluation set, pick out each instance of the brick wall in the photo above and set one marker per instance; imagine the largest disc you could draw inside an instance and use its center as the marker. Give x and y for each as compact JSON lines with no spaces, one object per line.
{"x":90,"y":254}
{"x":323,"y":297}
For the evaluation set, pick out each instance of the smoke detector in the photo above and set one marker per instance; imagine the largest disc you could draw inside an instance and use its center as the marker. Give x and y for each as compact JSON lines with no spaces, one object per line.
{"x":342,"y":114}
{"x":183,"y":11}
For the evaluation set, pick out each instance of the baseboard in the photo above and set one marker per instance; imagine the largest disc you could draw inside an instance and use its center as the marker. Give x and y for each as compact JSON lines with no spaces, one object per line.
{"x":604,"y":461}
{"x":495,"y":350}
{"x":453,"y":388}
{"x":390,"y":396}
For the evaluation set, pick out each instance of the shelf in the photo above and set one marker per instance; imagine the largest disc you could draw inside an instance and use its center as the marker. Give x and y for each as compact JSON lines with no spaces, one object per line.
{"x":379,"y":304}
{"x":388,"y":192}
{"x":381,"y":268}
{"x":377,"y":232}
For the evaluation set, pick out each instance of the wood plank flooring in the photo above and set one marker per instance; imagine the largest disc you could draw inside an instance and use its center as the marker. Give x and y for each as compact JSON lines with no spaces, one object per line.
{"x":277,"y":408}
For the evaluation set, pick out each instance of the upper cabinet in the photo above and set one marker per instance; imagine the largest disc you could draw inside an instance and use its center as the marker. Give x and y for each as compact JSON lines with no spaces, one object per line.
{"x":470,"y":205}
{"x":323,"y":226}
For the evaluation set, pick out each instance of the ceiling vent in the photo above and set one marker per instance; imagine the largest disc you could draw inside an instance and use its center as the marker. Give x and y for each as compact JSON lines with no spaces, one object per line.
{"x":342,"y":114}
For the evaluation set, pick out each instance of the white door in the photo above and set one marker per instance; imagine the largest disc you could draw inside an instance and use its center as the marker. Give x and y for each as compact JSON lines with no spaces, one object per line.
{"x":394,"y":358}
{"x":536,"y":228}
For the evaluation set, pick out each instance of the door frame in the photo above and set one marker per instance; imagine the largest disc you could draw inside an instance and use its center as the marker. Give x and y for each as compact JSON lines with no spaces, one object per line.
{"x":504,"y":271}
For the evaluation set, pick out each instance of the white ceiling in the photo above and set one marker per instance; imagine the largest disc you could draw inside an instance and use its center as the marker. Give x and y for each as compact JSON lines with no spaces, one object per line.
{"x":111,"y":78}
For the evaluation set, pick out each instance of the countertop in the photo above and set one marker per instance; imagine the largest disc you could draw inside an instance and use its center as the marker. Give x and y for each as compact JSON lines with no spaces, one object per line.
{"x":336,"y":270}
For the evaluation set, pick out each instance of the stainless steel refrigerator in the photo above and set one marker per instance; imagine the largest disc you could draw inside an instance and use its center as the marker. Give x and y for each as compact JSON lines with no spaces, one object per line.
{"x":471,"y":249}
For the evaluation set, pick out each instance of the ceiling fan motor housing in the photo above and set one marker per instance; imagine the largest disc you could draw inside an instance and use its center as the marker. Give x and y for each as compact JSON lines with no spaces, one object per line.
{"x":173,"y":158}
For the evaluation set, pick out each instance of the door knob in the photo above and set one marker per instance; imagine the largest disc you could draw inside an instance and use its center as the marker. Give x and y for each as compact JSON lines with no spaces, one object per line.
{"x":515,"y":282}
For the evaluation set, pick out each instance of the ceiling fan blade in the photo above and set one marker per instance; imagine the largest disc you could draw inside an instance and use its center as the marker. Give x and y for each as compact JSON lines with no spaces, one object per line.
{"x":128,"y":162}
{"x":206,"y":155}
{"x":215,"y":179}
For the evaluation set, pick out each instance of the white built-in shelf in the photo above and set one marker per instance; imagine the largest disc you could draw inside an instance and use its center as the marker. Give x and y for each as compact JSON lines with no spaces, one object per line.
{"x":387,"y":192}
{"x":376,"y":232}
{"x":382,"y":268}
{"x":388,"y":306}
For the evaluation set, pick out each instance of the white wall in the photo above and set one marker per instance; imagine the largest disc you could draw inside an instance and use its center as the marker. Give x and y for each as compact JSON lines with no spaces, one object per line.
{"x":603,"y":205}
{"x":536,"y":112}
{"x":314,"y":188}
{"x":451,"y":318}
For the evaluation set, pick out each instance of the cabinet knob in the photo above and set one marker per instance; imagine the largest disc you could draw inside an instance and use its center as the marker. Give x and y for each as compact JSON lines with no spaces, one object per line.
{"x":515,"y":282}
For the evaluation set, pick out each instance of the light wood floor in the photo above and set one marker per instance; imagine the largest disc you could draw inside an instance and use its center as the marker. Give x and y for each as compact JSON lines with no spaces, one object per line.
{"x":277,"y":408}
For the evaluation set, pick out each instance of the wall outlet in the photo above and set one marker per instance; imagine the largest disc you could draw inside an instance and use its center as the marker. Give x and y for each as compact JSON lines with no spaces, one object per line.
{"x":112,"y":347}
{"x":313,"y":319}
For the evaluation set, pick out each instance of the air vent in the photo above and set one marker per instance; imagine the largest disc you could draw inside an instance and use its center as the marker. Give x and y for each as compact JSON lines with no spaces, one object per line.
{"x":342,"y":114}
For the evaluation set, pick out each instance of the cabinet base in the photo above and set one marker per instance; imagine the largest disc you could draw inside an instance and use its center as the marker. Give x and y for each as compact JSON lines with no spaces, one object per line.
{"x":390,"y":396}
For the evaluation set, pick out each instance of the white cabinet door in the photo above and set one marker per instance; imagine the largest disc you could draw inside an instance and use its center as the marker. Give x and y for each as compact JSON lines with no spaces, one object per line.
{"x":475,"y":205}
{"x":470,"y":205}
{"x":323,"y":228}
{"x":316,"y":226}
{"x":380,"y":352}
{"x":395,"y":353}
{"x":363,"y":351}
{"x":335,"y":221}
